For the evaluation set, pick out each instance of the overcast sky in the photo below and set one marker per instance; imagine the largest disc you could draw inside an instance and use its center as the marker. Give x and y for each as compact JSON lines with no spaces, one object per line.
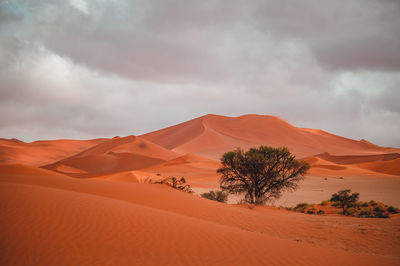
{"x":85,"y":69}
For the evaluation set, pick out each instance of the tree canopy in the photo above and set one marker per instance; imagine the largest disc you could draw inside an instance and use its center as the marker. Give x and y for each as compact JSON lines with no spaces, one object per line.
{"x":343,"y":198}
{"x":261,"y":173}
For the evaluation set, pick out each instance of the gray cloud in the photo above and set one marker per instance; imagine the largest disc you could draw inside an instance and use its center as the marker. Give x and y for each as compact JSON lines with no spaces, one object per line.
{"x":97,"y":68}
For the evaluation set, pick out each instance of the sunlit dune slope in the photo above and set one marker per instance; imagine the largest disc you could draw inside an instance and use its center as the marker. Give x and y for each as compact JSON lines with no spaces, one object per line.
{"x":57,"y":220}
{"x":42,"y":152}
{"x":212,"y":135}
{"x":115,"y":155}
{"x":198,"y":171}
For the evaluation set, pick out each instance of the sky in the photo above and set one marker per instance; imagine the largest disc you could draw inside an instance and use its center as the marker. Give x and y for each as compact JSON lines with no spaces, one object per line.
{"x":84,"y":69}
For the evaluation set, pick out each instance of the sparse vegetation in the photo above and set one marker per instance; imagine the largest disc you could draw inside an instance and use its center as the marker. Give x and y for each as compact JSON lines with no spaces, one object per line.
{"x":393,"y":210}
{"x":179,"y":184}
{"x":343,"y":199}
{"x":261,"y":173}
{"x":301,"y":207}
{"x":324,"y":202}
{"x":350,"y":206}
{"x":217,"y":195}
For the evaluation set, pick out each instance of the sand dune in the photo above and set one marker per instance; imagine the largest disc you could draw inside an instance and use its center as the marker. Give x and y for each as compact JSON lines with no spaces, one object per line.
{"x":381,"y":163}
{"x":321,"y":167}
{"x":115,"y":155}
{"x":117,"y":218}
{"x":387,"y":167}
{"x":41,"y":152}
{"x":212,"y":135}
{"x":61,"y":220}
{"x":355,"y":159}
{"x":197,"y":170}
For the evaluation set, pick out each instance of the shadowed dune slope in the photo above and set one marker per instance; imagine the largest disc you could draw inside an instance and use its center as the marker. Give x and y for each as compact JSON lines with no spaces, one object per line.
{"x":212,"y":135}
{"x":116,"y":155}
{"x":386,"y":167}
{"x":66,"y":221}
{"x":355,"y":159}
{"x":382,"y":163}
{"x":42,"y":152}
{"x":324,"y":167}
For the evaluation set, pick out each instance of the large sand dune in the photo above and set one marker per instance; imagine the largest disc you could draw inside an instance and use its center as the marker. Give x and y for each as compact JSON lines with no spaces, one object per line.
{"x":42,"y":152}
{"x":115,"y":155}
{"x":212,"y":135}
{"x":61,"y":220}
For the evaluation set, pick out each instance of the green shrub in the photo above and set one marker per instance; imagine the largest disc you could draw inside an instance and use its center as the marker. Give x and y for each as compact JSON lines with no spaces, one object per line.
{"x":216,"y":195}
{"x":364,"y":204}
{"x":350,"y":211}
{"x":373,"y":203}
{"x":301,"y":207}
{"x":324,"y":202}
{"x":393,"y":210}
{"x":379,"y":211}
{"x":320,"y":212}
{"x":365,"y":212}
{"x":311,"y":211}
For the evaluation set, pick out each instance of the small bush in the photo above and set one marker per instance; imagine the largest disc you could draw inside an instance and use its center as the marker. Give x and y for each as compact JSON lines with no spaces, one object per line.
{"x":373,"y":203}
{"x":179,"y":184}
{"x":324,"y":202}
{"x":379,"y":212}
{"x":311,"y":211}
{"x":365,"y":212}
{"x":364,"y":204}
{"x":350,"y":211}
{"x":393,"y":210}
{"x":301,"y":207}
{"x":216,"y":195}
{"x":320,"y":212}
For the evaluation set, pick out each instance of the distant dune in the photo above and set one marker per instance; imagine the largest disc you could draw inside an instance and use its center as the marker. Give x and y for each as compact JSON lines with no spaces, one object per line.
{"x":212,"y":135}
{"x":42,"y":152}
{"x":112,"y":156}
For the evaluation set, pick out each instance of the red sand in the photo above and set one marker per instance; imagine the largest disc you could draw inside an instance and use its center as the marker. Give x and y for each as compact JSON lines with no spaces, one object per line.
{"x":62,"y":220}
{"x":43,"y":152}
{"x":212,"y":135}
{"x":107,"y":215}
{"x":112,"y":156}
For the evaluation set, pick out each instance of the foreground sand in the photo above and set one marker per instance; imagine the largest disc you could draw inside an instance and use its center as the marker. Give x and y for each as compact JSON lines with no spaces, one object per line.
{"x":52,"y":219}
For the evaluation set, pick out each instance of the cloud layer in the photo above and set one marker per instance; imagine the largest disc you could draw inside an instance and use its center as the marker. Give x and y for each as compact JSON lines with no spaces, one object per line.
{"x":86,"y":69}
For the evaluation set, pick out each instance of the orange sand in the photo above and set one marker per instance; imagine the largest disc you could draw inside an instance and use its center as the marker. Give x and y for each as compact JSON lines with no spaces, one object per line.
{"x":212,"y":135}
{"x":90,"y":201}
{"x":62,"y":220}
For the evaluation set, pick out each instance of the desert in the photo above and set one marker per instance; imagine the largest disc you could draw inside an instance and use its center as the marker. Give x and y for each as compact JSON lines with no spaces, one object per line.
{"x":100,"y":206}
{"x":187,"y":132}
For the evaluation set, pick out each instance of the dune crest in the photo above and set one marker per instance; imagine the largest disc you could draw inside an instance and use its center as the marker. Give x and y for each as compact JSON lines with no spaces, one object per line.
{"x":112,"y":156}
{"x":212,"y":135}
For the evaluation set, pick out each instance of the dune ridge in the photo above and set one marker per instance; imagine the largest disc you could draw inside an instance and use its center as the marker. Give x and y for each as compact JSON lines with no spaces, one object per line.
{"x":112,"y":156}
{"x":42,"y":152}
{"x":212,"y":135}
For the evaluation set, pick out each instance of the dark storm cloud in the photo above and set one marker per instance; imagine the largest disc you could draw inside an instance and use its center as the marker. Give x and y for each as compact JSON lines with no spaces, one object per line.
{"x":100,"y":68}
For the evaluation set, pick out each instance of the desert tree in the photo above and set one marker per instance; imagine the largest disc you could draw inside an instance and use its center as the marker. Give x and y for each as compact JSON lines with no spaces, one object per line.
{"x":343,"y":199}
{"x":261,"y":173}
